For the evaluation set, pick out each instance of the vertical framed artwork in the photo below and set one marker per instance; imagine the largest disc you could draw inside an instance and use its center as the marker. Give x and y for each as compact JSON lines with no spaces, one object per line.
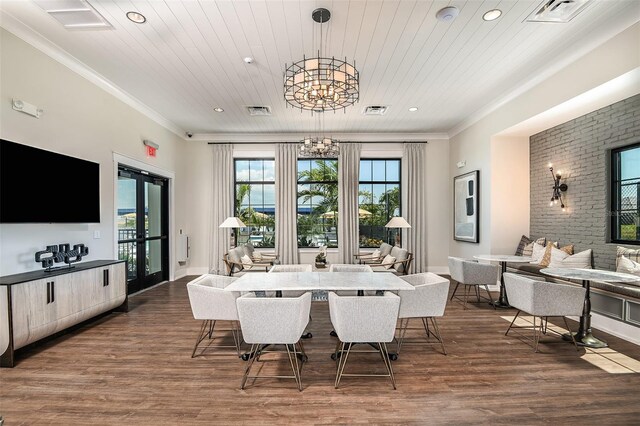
{"x":466,"y":203}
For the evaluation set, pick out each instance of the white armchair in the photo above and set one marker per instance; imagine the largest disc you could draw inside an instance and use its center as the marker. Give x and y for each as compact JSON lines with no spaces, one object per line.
{"x":472,"y":275}
{"x":210,"y":303}
{"x":543,"y":300}
{"x":274,"y":321}
{"x":426,"y":302}
{"x":363,"y":319}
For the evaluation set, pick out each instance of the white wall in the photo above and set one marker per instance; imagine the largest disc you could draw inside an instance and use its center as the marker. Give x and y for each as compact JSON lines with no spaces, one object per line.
{"x":198,"y":159}
{"x":79,"y":120}
{"x":610,"y":60}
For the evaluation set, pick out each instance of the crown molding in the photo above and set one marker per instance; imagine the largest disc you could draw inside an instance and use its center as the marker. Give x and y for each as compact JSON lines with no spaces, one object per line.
{"x":601,"y":35}
{"x":269,"y":138}
{"x":55,"y":52}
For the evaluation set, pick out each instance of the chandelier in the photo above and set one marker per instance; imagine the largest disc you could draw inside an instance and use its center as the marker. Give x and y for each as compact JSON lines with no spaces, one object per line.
{"x":321,"y":83}
{"x":319,"y":147}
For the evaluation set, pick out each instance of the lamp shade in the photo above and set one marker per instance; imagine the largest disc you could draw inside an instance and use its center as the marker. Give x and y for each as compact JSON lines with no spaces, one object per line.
{"x":232,"y":222}
{"x":397,"y":222}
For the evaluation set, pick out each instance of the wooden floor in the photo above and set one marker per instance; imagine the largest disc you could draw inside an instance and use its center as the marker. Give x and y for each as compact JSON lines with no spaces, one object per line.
{"x":136,"y":368}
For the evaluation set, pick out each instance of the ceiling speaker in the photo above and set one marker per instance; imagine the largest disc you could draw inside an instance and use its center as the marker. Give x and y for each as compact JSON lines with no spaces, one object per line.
{"x":447,"y":14}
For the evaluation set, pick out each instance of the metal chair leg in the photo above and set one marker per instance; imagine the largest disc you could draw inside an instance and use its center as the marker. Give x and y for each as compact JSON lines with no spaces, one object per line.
{"x":477,"y":293}
{"x":486,"y":287}
{"x":454,"y":291}
{"x":466,"y":291}
{"x":403,"y":332}
{"x":573,"y":339}
{"x":343,"y":362}
{"x":387,"y":362}
{"x":254,"y":348}
{"x":438,"y":335}
{"x":201,"y":335}
{"x":512,"y":321}
{"x":536,"y":333}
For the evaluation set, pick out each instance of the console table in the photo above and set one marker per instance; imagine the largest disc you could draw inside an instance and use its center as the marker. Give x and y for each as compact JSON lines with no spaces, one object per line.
{"x":37,"y":304}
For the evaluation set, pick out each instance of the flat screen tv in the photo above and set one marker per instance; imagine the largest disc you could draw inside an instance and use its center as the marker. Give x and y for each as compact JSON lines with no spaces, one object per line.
{"x":38,"y":186}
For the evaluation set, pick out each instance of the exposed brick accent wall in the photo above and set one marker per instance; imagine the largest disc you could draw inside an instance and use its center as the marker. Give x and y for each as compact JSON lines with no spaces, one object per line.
{"x":581,"y":149}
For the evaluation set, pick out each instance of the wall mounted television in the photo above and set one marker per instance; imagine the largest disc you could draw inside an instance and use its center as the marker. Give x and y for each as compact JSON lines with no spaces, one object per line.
{"x":38,"y":186}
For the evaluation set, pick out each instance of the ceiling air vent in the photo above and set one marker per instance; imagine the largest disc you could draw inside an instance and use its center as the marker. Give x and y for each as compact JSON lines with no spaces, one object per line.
{"x":259,"y":110}
{"x":558,"y":10}
{"x":75,"y":14}
{"x":375,"y":110}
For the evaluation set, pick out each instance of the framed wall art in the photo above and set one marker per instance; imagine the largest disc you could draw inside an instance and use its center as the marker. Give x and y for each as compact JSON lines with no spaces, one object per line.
{"x":466,"y":204}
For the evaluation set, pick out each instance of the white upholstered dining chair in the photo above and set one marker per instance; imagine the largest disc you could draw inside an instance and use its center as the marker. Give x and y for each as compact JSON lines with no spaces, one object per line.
{"x":472,"y":274}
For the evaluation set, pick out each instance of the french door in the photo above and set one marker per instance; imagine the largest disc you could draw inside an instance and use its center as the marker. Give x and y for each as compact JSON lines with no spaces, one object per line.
{"x":143,"y":227}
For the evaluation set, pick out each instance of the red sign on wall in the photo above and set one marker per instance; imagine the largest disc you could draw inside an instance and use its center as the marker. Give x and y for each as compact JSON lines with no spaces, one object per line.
{"x":151,"y":151}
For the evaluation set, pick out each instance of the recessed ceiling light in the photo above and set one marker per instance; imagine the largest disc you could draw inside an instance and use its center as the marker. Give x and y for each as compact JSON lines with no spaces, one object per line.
{"x":413,"y":109}
{"x":248,"y":59}
{"x":492,"y":15}
{"x":136,"y":17}
{"x":218,"y":109}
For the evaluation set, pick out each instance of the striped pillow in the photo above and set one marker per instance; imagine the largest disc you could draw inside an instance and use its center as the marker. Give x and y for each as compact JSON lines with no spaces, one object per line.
{"x":578,"y":260}
{"x":631,"y":254}
{"x":523,"y":242}
{"x":527,"y":251}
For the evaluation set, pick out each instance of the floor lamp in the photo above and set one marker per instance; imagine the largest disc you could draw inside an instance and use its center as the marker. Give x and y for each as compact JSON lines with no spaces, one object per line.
{"x":397,"y":222}
{"x":233,"y":222}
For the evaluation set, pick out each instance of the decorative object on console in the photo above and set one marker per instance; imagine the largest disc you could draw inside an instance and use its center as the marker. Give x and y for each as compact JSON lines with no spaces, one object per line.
{"x":321,"y":257}
{"x":322,"y":83}
{"x":558,"y":188}
{"x":61,"y":253}
{"x":397,"y":222}
{"x":466,"y":203}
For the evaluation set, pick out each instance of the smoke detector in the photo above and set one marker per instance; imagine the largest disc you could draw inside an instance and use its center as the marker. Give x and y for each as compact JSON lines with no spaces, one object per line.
{"x":447,"y":14}
{"x":375,"y":110}
{"x":561,"y":11}
{"x":259,"y":111}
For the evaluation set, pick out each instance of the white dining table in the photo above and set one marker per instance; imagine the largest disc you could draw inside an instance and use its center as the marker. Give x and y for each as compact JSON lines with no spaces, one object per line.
{"x":503,"y":259}
{"x":322,"y":281}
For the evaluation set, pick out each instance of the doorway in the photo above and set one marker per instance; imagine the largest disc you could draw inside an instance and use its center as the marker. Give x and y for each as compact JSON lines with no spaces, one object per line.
{"x":143,"y":227}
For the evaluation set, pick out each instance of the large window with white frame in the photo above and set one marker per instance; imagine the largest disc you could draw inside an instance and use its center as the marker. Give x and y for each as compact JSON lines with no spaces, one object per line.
{"x":625,"y":194}
{"x":379,"y":199}
{"x":255,"y":201}
{"x":317,"y":202}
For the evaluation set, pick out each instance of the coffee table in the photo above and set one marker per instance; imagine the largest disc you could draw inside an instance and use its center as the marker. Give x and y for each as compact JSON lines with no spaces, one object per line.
{"x":503,"y":301}
{"x":584,"y":337}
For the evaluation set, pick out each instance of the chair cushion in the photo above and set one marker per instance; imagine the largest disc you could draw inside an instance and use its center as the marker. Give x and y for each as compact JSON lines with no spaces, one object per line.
{"x":248,"y":249}
{"x":388,"y":261}
{"x":385,"y":249}
{"x":631,"y":254}
{"x":399,"y":254}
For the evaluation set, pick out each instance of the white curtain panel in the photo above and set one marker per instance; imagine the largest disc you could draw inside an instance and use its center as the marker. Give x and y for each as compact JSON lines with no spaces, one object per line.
{"x":348,"y":177}
{"x":286,"y":202}
{"x":221,"y":206}
{"x":414,"y":161}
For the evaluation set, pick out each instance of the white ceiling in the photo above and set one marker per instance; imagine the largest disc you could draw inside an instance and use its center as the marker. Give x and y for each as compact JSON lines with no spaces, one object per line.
{"x":188,"y":57}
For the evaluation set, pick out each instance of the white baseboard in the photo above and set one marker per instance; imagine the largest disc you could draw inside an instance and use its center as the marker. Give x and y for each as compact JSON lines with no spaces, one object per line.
{"x":619,"y":329}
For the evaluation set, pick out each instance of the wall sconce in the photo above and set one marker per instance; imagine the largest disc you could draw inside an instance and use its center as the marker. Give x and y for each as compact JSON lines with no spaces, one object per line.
{"x":558,"y":188}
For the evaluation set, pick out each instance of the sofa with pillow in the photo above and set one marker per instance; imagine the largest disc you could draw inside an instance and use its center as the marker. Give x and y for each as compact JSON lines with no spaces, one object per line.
{"x":617,"y":300}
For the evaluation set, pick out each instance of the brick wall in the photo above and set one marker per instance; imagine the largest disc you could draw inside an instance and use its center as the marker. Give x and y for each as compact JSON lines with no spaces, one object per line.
{"x":580,"y":149}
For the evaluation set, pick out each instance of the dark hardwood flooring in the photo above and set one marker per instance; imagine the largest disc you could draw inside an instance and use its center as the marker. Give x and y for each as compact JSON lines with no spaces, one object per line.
{"x":135,"y":368}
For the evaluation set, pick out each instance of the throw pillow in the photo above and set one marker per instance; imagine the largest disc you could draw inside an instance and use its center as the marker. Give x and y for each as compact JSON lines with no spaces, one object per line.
{"x":628,"y":266}
{"x":578,"y":260}
{"x":546,"y":258}
{"x":557,"y":256}
{"x":538,"y":252}
{"x":257,"y":256}
{"x":524,"y":240}
{"x":246,"y":260}
{"x":527,"y":251}
{"x":630,"y":254}
{"x":376,"y":253}
{"x":388,"y":261}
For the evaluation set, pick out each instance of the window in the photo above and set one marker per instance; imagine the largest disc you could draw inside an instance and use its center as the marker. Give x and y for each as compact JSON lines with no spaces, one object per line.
{"x":379,"y":200}
{"x":625,"y":194}
{"x":317,"y":203}
{"x":255,"y":201}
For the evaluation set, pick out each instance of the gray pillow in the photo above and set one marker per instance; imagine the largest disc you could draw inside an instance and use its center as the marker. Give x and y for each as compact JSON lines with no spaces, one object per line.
{"x":401,"y":254}
{"x":385,"y":249}
{"x":249,"y":249}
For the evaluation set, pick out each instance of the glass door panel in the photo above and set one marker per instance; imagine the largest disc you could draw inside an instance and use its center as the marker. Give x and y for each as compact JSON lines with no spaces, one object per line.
{"x":126,"y":222}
